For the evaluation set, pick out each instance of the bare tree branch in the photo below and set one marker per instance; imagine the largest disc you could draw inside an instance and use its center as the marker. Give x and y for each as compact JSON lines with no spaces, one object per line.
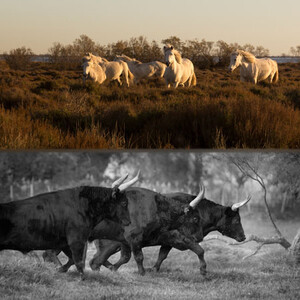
{"x":260,"y":240}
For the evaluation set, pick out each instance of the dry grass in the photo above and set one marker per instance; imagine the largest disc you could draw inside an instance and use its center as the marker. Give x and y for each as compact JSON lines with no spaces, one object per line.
{"x":47,"y":108}
{"x":269,"y":275}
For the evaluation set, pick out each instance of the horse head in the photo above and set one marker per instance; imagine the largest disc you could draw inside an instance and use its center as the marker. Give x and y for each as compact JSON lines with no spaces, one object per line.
{"x":171,"y":55}
{"x":235,"y":60}
{"x":87,"y":66}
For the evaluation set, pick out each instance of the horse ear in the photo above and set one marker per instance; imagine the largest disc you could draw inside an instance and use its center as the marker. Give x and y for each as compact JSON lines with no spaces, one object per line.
{"x":171,"y":47}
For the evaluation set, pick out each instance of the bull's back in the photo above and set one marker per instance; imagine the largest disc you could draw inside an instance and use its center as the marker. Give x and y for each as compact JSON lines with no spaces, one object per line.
{"x":37,"y":222}
{"x":142,"y":208}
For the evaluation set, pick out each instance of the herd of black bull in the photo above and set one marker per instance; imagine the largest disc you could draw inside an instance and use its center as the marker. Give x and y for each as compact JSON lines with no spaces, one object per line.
{"x":117,"y":218}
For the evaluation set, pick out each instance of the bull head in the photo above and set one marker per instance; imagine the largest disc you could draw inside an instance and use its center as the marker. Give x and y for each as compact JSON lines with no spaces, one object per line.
{"x":236,"y":206}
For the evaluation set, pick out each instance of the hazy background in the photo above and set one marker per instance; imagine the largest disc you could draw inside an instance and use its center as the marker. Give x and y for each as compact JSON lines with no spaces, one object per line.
{"x":274,"y":24}
{"x":25,"y":174}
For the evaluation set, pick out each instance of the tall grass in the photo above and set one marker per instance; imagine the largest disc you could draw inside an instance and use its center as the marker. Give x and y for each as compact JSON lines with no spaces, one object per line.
{"x":45,"y":108}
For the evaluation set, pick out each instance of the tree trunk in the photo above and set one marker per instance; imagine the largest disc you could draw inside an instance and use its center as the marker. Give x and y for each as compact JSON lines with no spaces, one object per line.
{"x":31,"y":191}
{"x":284,"y":202}
{"x":295,"y":248}
{"x":11,"y":192}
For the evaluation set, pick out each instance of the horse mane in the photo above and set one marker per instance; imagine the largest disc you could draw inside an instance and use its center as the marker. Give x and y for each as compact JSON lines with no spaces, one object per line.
{"x":249,"y":57}
{"x":126,"y":57}
{"x":134,"y":60}
{"x":178,"y":57}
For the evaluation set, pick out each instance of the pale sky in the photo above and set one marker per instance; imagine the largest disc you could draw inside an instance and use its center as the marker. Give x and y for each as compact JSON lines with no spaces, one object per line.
{"x":37,"y":24}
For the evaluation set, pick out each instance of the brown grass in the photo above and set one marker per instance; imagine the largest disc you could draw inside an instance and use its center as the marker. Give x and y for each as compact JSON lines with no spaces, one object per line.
{"x":46,"y":108}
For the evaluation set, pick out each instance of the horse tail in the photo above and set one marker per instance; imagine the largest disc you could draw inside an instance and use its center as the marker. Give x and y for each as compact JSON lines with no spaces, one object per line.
{"x":194,"y":79}
{"x":126,"y":72}
{"x":276,"y":76}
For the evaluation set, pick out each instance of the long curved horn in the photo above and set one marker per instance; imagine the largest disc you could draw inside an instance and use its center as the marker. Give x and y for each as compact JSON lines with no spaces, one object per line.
{"x":200,"y":196}
{"x":235,"y":206}
{"x":129,"y":183}
{"x":119,"y":181}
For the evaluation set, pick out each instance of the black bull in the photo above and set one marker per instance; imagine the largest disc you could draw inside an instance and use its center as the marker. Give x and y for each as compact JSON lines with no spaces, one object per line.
{"x":157,"y":220}
{"x":62,"y":219}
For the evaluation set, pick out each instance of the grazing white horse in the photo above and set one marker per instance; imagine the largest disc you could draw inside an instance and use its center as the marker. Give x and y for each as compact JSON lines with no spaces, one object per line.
{"x":113,"y":69}
{"x":179,"y":70}
{"x":253,"y":69}
{"x":93,"y":70}
{"x":143,"y":70}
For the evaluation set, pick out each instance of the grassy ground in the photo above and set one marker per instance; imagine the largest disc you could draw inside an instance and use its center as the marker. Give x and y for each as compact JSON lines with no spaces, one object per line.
{"x":270,"y":274}
{"x":48,"y":108}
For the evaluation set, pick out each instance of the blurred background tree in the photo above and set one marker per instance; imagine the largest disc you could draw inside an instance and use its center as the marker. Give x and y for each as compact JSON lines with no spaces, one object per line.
{"x":26,"y":173}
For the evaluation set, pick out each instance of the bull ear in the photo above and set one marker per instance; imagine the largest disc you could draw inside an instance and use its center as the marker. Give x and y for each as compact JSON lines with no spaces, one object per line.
{"x":235,"y":206}
{"x":129,"y":183}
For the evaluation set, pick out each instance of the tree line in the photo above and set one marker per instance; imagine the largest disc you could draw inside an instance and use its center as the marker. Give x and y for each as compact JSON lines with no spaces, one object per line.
{"x":203,"y":53}
{"x":26,"y":174}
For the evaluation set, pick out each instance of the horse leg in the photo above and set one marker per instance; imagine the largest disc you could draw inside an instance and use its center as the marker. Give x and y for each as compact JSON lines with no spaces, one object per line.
{"x":163,"y":253}
{"x":119,"y":80}
{"x":175,"y":84}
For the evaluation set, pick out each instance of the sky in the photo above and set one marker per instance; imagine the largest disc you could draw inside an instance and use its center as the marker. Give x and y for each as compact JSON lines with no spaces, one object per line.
{"x":37,"y":24}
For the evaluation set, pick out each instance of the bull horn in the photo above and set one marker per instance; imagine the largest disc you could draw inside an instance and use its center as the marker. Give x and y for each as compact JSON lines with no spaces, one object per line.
{"x":235,"y":206}
{"x":129,"y":183}
{"x":119,"y":181}
{"x":200,"y":196}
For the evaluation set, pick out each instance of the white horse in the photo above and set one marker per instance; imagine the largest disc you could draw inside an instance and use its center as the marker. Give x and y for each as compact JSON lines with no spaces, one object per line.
{"x":113,"y":69}
{"x":253,"y":69}
{"x":94,"y":71}
{"x":143,"y":70}
{"x":179,"y":70}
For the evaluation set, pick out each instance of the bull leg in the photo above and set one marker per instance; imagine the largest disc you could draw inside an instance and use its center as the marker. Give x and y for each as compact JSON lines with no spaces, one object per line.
{"x":182,"y":242}
{"x":102,"y":254}
{"x":163,"y":253}
{"x":125,"y":257}
{"x":78,"y":254}
{"x":139,"y":257}
{"x":50,"y":256}
{"x":64,"y":268}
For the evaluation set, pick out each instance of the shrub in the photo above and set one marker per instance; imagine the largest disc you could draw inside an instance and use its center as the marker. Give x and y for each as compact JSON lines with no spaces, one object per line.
{"x":19,"y":59}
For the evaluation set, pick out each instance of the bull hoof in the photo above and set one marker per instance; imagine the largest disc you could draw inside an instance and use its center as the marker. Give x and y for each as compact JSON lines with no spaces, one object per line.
{"x":95,"y":267}
{"x":62,"y":269}
{"x":141,"y":272}
{"x":113,"y":268}
{"x":83,"y":277}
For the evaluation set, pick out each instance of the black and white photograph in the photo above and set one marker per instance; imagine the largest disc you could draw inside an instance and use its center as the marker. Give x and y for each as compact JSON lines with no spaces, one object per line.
{"x":150,"y":225}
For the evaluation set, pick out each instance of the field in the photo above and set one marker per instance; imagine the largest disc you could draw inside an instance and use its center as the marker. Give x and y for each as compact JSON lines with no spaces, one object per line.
{"x":44,"y":107}
{"x":270,"y":274}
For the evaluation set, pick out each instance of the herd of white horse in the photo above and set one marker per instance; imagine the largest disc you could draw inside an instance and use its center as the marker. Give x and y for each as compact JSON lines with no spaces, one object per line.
{"x":175,"y":71}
